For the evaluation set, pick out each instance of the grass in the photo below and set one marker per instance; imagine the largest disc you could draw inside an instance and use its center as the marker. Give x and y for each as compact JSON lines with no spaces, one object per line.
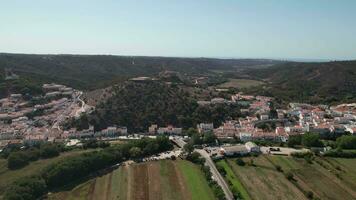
{"x":195,"y":181}
{"x":240,"y":83}
{"x":321,"y":177}
{"x":236,"y":184}
{"x":261,"y":181}
{"x":166,"y":179}
{"x":7,"y":176}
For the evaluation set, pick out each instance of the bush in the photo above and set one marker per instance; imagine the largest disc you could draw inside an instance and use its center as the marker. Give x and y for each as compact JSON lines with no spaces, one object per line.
{"x":289,"y":176}
{"x":340,"y":154}
{"x":49,"y":150}
{"x":279,"y":168}
{"x":17,"y":160}
{"x":196,"y":158}
{"x":311,"y":140}
{"x":27,"y":188}
{"x":221,"y":169}
{"x":346,"y":142}
{"x":302,"y":154}
{"x":294,"y":140}
{"x":240,"y":162}
{"x":310,"y":195}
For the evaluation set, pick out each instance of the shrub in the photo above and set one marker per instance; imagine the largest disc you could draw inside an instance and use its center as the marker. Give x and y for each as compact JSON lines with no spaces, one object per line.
{"x":346,"y":142}
{"x":279,"y":168}
{"x":340,"y":154}
{"x":311,"y":140}
{"x":240,"y":162}
{"x":17,"y":160}
{"x":289,"y":176}
{"x":309,"y":195}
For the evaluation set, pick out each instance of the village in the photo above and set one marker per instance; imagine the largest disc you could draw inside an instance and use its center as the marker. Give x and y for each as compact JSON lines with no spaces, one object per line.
{"x":40,"y":119}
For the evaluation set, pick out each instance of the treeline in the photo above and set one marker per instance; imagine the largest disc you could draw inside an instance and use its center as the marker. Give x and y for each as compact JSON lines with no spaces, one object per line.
{"x":138,"y":105}
{"x":18,"y":158}
{"x":73,"y":168}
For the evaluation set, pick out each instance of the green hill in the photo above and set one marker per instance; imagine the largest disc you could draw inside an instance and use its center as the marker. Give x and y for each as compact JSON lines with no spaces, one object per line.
{"x":97,"y":71}
{"x":328,"y":82}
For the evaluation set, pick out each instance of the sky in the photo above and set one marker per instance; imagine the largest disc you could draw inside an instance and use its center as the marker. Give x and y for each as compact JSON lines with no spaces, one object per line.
{"x":283,"y":29}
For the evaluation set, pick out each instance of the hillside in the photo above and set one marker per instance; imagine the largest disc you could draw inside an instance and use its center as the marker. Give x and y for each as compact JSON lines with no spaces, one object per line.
{"x":137,"y":105}
{"x":310,"y":82}
{"x":97,"y":71}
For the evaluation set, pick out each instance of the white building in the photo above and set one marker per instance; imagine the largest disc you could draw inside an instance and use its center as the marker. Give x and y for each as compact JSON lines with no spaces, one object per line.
{"x":205,"y":127}
{"x":252,"y":147}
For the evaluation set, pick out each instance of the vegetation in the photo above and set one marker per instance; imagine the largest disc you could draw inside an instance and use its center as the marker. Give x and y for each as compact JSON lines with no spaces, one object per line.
{"x":74,"y":168}
{"x":311,"y":140}
{"x":138,"y":105}
{"x":20,"y":158}
{"x":328,"y":83}
{"x":346,"y":142}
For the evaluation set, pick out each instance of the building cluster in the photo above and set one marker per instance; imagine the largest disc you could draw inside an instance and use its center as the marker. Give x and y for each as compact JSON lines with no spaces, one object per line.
{"x":109,"y":132}
{"x":169,"y":130}
{"x":297,"y":119}
{"x":30,"y":119}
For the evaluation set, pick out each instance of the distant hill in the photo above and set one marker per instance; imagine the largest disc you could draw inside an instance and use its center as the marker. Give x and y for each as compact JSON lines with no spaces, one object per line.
{"x":310,"y":82}
{"x":97,"y":71}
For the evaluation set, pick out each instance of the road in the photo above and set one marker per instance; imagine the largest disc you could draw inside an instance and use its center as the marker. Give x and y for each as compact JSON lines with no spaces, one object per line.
{"x":216,"y":174}
{"x":82,"y":108}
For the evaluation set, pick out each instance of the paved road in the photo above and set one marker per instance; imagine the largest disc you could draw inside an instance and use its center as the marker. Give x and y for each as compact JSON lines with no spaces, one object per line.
{"x":216,"y":174}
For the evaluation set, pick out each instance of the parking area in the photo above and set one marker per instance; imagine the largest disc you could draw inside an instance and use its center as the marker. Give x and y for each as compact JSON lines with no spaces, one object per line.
{"x":164,"y":155}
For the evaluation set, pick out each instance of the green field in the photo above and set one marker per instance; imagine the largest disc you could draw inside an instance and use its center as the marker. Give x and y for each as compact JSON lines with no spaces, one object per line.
{"x":231,"y":177}
{"x":8,"y":176}
{"x":173,"y":180}
{"x":240,"y":83}
{"x":262,"y":181}
{"x":326,"y":178}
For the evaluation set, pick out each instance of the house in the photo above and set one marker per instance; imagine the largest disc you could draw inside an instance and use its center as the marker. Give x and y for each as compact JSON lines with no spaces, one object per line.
{"x":110,"y":131}
{"x":228,"y":129}
{"x":152,"y":130}
{"x":245,"y":136}
{"x":252,"y":147}
{"x":218,"y":101}
{"x":205,"y":127}
{"x":170,"y":130}
{"x":234,"y":150}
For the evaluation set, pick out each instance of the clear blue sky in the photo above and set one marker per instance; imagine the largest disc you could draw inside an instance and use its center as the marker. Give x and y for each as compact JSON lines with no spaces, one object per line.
{"x":311,"y":29}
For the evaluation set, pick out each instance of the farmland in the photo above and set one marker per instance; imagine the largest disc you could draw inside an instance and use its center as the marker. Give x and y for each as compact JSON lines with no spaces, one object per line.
{"x":240,"y":83}
{"x":323,"y":178}
{"x":152,"y":180}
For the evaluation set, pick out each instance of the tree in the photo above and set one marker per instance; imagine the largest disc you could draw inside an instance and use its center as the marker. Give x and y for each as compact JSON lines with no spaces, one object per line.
{"x":209,"y":138}
{"x":240,"y":162}
{"x":294,"y":140}
{"x":49,"y":150}
{"x":311,"y":140}
{"x":17,"y":160}
{"x":346,"y":142}
{"x":135,"y":152}
{"x":188,"y":148}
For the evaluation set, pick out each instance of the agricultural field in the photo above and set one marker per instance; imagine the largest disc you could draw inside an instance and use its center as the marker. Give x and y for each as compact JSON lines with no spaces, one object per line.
{"x":7,"y":176}
{"x":322,"y":178}
{"x":164,"y":179}
{"x":240,"y":83}
{"x":262,"y":181}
